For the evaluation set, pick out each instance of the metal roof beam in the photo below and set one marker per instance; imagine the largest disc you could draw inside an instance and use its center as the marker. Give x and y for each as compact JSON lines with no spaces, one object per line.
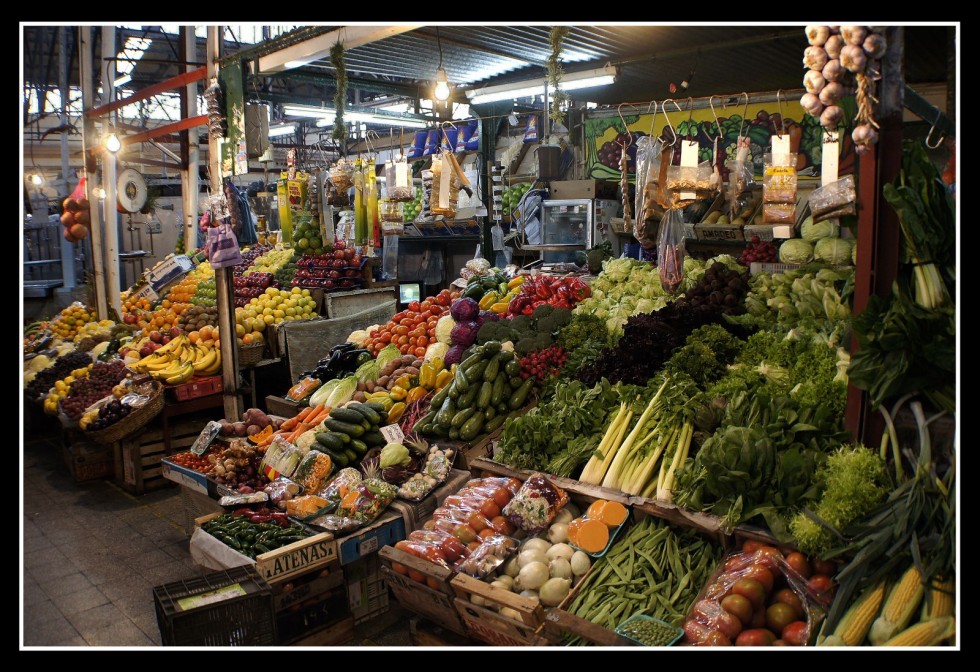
{"x":306,"y":52}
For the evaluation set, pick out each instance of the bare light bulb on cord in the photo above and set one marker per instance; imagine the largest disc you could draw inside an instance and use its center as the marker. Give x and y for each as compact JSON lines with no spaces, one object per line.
{"x":112,"y":143}
{"x":37,"y":180}
{"x":442,"y":85}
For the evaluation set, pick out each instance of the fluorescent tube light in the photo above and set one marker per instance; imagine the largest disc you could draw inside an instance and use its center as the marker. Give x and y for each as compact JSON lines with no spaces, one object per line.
{"x":282,"y":129}
{"x":527,"y":88}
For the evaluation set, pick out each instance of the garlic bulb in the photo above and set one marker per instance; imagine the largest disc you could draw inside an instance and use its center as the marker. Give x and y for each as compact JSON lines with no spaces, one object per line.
{"x":864,"y":134}
{"x":875,"y":45}
{"x":853,"y":58}
{"x":833,"y":46}
{"x":833,"y":72}
{"x":831,"y":117}
{"x":817,"y":35}
{"x":811,"y":103}
{"x":815,"y":58}
{"x":854,"y":34}
{"x":832,"y":93}
{"x":834,"y":30}
{"x":813,"y":81}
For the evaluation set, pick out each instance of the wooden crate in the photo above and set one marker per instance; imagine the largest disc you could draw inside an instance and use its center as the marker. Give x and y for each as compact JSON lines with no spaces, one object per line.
{"x":196,"y":505}
{"x":339,"y":633}
{"x":415,"y":513}
{"x":290,"y":561}
{"x":287,"y":594}
{"x":88,"y":461}
{"x":434,"y":603}
{"x":489,"y":626}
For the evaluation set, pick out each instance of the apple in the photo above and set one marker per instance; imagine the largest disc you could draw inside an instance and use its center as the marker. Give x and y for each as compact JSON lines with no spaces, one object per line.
{"x":339,"y":245}
{"x":175,"y":331}
{"x":349,"y":254}
{"x":334,"y":274}
{"x":156,"y":337}
{"x":146,"y":351}
{"x":166,"y":339}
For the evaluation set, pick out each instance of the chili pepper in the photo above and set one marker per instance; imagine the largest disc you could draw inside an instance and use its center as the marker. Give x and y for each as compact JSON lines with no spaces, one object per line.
{"x":244,"y":511}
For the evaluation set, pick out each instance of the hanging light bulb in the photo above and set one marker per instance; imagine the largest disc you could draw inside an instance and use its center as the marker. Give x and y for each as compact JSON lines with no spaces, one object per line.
{"x":442,"y":85}
{"x":112,"y":143}
{"x":100,"y":193}
{"x":37,"y":180}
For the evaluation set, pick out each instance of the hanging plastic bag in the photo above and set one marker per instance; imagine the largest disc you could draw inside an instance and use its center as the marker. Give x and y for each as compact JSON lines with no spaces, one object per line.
{"x":445,"y":188}
{"x":398,"y":179}
{"x":671,"y":251}
{"x":223,"y":250}
{"x":342,"y":174}
{"x":649,"y":154}
{"x":779,"y":189}
{"x":834,"y":200}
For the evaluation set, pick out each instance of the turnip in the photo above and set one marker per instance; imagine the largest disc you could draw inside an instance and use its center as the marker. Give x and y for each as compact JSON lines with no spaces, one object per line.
{"x":532,"y":576}
{"x":560,"y":551}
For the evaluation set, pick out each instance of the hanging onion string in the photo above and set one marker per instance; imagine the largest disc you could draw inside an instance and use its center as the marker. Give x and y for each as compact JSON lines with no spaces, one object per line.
{"x":555,"y":72}
{"x":340,"y":96}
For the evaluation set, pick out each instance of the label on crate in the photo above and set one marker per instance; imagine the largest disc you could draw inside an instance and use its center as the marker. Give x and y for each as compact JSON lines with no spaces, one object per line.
{"x":392,"y":433}
{"x":207,"y":436}
{"x":293,"y":562}
{"x":219,"y":595}
{"x":369,"y":546}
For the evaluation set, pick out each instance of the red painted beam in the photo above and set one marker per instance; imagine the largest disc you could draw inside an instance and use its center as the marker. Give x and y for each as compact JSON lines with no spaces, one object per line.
{"x":175,"y":127}
{"x":182,"y":79}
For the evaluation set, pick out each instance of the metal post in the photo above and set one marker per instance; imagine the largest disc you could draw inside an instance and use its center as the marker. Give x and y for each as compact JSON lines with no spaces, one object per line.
{"x":111,"y":248}
{"x":222,"y":276}
{"x":546,"y":121}
{"x":190,"y":175}
{"x":67,"y":249}
{"x":90,"y":139}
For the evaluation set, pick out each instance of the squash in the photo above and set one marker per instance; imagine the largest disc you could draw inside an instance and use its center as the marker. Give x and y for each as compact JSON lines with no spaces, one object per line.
{"x":588,"y":534}
{"x":612,"y":514}
{"x":262,"y":435}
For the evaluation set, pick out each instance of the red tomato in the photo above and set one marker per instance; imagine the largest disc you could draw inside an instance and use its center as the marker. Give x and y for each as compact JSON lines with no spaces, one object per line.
{"x":823,"y":567}
{"x":800,"y":564}
{"x":397,"y":317}
{"x":490,"y":509}
{"x":419,"y":351}
{"x":787,"y":596}
{"x":501,"y":497}
{"x":769,"y":556}
{"x":751,"y":546}
{"x":478,"y":521}
{"x":416,"y":575}
{"x":822,"y":585}
{"x":489,"y":532}
{"x":443,"y":300}
{"x":739,"y":606}
{"x":423,"y":340}
{"x":750,"y":589}
{"x":403,"y":545}
{"x":403,"y":348}
{"x":502,"y":526}
{"x":425,"y":305}
{"x":399,"y":568}
{"x":796,"y":634}
{"x":452,"y":548}
{"x":465,"y":534}
{"x":513,"y":485}
{"x":716,"y":638}
{"x":415,"y":306}
{"x":432,"y":583}
{"x":779,"y":615}
{"x":761,"y":574}
{"x":386,"y":338}
{"x":433,"y":554}
{"x":755,"y":637}
{"x":473,"y":545}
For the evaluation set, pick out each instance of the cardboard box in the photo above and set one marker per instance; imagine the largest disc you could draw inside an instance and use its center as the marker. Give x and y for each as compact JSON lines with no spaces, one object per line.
{"x":367,"y":592}
{"x":167,"y":271}
{"x":190,"y":479}
{"x":197,"y":387}
{"x":385,"y":531}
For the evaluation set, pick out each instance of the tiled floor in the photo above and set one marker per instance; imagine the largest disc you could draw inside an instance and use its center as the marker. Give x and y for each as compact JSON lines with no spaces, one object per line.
{"x":92,"y":554}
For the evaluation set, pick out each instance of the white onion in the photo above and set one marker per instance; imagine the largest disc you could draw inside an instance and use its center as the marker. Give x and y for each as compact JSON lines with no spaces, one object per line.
{"x":580,"y":563}
{"x":814,"y":58}
{"x":560,"y":551}
{"x":811,"y":103}
{"x":477,"y":600}
{"x":560,"y":568}
{"x":558,"y":533}
{"x":564,"y":516}
{"x":833,"y":46}
{"x":536,"y":543}
{"x":813,"y":81}
{"x":817,"y":35}
{"x":854,"y":34}
{"x":573,"y":510}
{"x":853,"y":58}
{"x":875,"y":45}
{"x":833,"y":72}
{"x":554,"y":591}
{"x":532,"y":576}
{"x":506,"y":580}
{"x":511,"y":568}
{"x":510,"y":613}
{"x":831,"y":117}
{"x":533,"y":594}
{"x":500,"y":585}
{"x":531,"y":555}
{"x":832,"y":93}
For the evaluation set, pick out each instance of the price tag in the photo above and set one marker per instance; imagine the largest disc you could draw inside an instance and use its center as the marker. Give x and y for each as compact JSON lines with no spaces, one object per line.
{"x":369,"y":546}
{"x":689,"y":159}
{"x":829,"y":158}
{"x":401,"y":175}
{"x":207,"y":436}
{"x":780,"y":149}
{"x":392,"y":433}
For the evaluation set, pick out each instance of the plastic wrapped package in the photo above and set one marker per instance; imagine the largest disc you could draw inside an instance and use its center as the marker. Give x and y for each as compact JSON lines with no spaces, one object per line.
{"x":484,"y":560}
{"x":779,"y":183}
{"x":342,"y":175}
{"x":671,"y":250}
{"x":313,"y":471}
{"x":398,"y":180}
{"x":685,"y":180}
{"x":535,"y":505}
{"x":438,"y":464}
{"x":304,"y":506}
{"x":443,"y":180}
{"x":648,"y":211}
{"x":834,"y":200}
{"x":281,"y":490}
{"x":281,"y":459}
{"x":337,"y":488}
{"x":366,"y":500}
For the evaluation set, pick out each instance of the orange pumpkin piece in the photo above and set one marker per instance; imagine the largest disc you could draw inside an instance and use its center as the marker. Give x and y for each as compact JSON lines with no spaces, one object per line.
{"x":261,"y":436}
{"x":613,"y":514}
{"x":591,"y":535}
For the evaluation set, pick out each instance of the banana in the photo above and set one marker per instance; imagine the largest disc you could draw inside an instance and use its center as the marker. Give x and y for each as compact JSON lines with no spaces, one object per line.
{"x":182,"y":376}
{"x":173,"y":346}
{"x":215,"y":366}
{"x":187,"y":354}
{"x":206,"y":362}
{"x":160,"y":364}
{"x":172,"y":370}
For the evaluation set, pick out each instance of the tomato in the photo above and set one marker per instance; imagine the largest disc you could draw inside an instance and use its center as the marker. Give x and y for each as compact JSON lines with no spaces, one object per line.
{"x":800,"y":564}
{"x":443,"y":300}
{"x":478,"y":522}
{"x":490,"y":509}
{"x":501,"y":497}
{"x":769,"y":556}
{"x":787,"y":596}
{"x":695,"y":633}
{"x":415,"y":306}
{"x":779,"y":615}
{"x":416,"y":332}
{"x":403,"y":348}
{"x":751,"y":546}
{"x":433,"y":554}
{"x":758,"y":619}
{"x":513,"y":485}
{"x":760,"y":574}
{"x":419,"y":351}
{"x":403,"y":546}
{"x":452,"y":548}
{"x":400,"y":330}
{"x":796,"y":634}
{"x":429,"y":525}
{"x":473,"y":545}
{"x":425,"y":305}
{"x":399,"y":568}
{"x":386,"y":338}
{"x":822,"y":585}
{"x":823,"y":567}
{"x":750,"y":589}
{"x":502,"y":526}
{"x":715,"y":638}
{"x":398,"y":316}
{"x":402,"y":339}
{"x":780,"y":642}
{"x":739,"y":606}
{"x":755,"y":637}
{"x":416,"y":575}
{"x":489,"y":532}
{"x":423,"y":340}
{"x":454,"y":295}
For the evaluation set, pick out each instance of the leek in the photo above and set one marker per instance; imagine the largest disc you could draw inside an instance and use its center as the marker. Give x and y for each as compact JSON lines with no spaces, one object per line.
{"x":613,"y":476}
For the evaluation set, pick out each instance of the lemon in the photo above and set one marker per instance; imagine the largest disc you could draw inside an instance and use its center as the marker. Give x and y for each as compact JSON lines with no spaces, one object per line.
{"x":269,"y":319}
{"x":289,"y":312}
{"x":271,"y":291}
{"x":239,"y":330}
{"x":251,"y":312}
{"x":279,"y":314}
{"x":260,"y":324}
{"x":296,"y":290}
{"x":306,"y":292}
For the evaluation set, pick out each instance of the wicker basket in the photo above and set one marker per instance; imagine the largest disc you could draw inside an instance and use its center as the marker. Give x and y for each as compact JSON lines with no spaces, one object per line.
{"x":133,"y":422}
{"x":250,"y":355}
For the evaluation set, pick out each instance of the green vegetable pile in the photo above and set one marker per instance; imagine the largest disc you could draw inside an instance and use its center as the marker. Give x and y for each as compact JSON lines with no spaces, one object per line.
{"x":797,"y":297}
{"x":652,"y":570}
{"x":584,"y":339}
{"x":527,"y":333}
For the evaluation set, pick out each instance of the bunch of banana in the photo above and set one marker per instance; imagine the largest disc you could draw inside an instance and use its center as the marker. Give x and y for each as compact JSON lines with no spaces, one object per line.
{"x":207,"y":360}
{"x":179,"y":360}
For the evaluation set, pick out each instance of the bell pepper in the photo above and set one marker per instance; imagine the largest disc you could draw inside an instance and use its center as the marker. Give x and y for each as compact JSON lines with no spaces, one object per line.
{"x":516,"y":282}
{"x":489,"y":299}
{"x":405,"y":382}
{"x":543,"y":291}
{"x":438,"y":364}
{"x":416,"y":393}
{"x":397,"y":394}
{"x":396,"y":412}
{"x":443,"y":378}
{"x":499,"y":308}
{"x":427,"y":376}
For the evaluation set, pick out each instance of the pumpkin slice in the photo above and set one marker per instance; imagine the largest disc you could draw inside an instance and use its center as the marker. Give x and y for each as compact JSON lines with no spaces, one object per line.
{"x":591,"y":535}
{"x":261,"y":436}
{"x":612,"y":514}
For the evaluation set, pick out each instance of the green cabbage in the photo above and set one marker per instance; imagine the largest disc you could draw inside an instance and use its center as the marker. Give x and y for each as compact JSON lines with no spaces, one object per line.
{"x":811,"y":232}
{"x":796,"y":251}
{"x":387,"y":354}
{"x":835,"y":251}
{"x":342,"y":393}
{"x":436,"y":350}
{"x":444,"y":328}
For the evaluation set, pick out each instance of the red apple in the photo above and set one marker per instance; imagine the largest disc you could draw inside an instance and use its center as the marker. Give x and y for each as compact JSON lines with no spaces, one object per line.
{"x":166,"y":339}
{"x":156,"y":337}
{"x":146,"y":351}
{"x":175,"y":331}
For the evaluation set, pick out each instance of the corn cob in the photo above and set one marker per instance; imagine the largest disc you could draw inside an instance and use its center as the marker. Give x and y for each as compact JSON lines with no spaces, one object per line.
{"x":925,"y":633}
{"x":940,"y":601}
{"x":903,"y":601}
{"x":854,"y":626}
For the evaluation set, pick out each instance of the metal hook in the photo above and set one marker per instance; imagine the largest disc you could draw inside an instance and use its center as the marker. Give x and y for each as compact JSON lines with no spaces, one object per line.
{"x":745,"y":110}
{"x":690,"y":112}
{"x":653,"y":119}
{"x":782,"y":119}
{"x":667,"y":118}
{"x":942,"y":136}
{"x":711,"y":103}
{"x":625,"y":125}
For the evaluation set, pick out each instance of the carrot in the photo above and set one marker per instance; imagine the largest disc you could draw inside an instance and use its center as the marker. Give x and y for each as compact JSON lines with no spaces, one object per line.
{"x":289,"y":424}
{"x":321,"y":416}
{"x":305,"y":413}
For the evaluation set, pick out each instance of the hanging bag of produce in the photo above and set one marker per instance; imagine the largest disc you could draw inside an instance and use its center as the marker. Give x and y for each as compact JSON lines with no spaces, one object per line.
{"x":834,"y":200}
{"x":671,"y":250}
{"x":342,"y":174}
{"x":779,"y":189}
{"x":445,"y":188}
{"x":223,"y":250}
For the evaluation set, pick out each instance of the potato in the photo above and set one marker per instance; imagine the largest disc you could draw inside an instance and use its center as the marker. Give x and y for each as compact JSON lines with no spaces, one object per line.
{"x":260,"y":418}
{"x":417,"y":363}
{"x":252,"y":430}
{"x":240,"y":429}
{"x":383,"y":381}
{"x":361,"y":387}
{"x":369,"y":386}
{"x":399,"y":372}
{"x":359,"y":396}
{"x":227,"y":428}
{"x":412,"y":370}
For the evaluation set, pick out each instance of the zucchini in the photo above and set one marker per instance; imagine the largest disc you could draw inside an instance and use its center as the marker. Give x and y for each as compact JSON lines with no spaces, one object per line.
{"x":495,"y":423}
{"x":352,"y":430}
{"x":422,"y":427}
{"x":359,"y":447}
{"x":497,"y":390}
{"x":461,"y":417}
{"x":512,"y":368}
{"x":330,"y":440}
{"x":460,"y":382}
{"x":369,"y":413}
{"x":491,"y":347}
{"x":516,"y":382}
{"x":440,"y":396}
{"x":445,"y":415}
{"x":470,"y":361}
{"x":502,"y":407}
{"x":474,"y":372}
{"x":483,"y":399}
{"x":490,"y":372}
{"x":346,"y":415}
{"x":471,"y":427}
{"x":439,"y":430}
{"x":454,"y":434}
{"x":351,"y":455}
{"x":339,"y":457}
{"x":490,"y":414}
{"x":469,"y":398}
{"x":520,"y":396}
{"x":453,"y":389}
{"x":375,"y":438}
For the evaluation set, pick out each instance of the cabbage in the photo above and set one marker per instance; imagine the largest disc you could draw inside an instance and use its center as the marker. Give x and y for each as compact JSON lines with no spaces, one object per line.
{"x":435,"y":350}
{"x":387,"y":355}
{"x":464,"y":310}
{"x":444,"y":328}
{"x":811,"y":232}
{"x":486,"y":316}
{"x":617,"y":270}
{"x":454,"y":355}
{"x":835,"y":251}
{"x":796,"y":251}
{"x":342,"y":393}
{"x":325,"y":390}
{"x":464,"y":333}
{"x":358,"y":337}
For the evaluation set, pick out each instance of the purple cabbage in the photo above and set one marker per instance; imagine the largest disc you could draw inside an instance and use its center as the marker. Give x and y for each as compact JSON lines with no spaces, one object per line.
{"x":464,"y":310}
{"x":486,"y":316}
{"x":464,"y":334}
{"x":454,"y":355}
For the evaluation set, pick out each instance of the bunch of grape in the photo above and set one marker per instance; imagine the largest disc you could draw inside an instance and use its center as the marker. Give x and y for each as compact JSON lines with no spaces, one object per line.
{"x":99,"y":383}
{"x":109,"y":414}
{"x":62,"y":366}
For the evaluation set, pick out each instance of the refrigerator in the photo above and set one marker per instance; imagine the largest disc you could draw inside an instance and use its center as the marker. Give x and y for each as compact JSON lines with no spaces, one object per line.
{"x":572,"y":225}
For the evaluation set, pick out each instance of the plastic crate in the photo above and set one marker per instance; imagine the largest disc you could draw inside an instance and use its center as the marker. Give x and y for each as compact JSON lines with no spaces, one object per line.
{"x":232,"y":607}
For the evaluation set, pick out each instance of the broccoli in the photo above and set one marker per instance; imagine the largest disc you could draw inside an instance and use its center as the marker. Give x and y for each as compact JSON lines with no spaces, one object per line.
{"x":492,"y":331}
{"x":561,"y":316}
{"x":544,"y":310}
{"x":547,"y":325}
{"x":583,"y":327}
{"x":521,"y":323}
{"x":525,"y":346}
{"x":543,"y":341}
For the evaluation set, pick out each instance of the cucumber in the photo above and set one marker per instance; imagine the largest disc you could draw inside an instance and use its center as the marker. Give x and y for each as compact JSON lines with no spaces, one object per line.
{"x":454,"y":392}
{"x":520,"y":396}
{"x":490,"y":372}
{"x":422,"y":428}
{"x":469,"y":361}
{"x":471,"y":427}
{"x":505,"y":356}
{"x":469,"y":398}
{"x":497,"y":390}
{"x":483,"y":399}
{"x":491,"y":347}
{"x":502,"y":407}
{"x":445,"y":415}
{"x":454,"y":434}
{"x":359,"y":447}
{"x":516,"y":382}
{"x":351,"y":455}
{"x":439,"y":430}
{"x":440,"y":397}
{"x":346,"y":415}
{"x":460,"y":382}
{"x":461,"y":417}
{"x":474,"y":372}
{"x":377,"y":408}
{"x":338,"y":457}
{"x":369,"y":413}
{"x":330,"y":440}
{"x":375,"y":438}
{"x":512,"y":368}
{"x":495,"y":423}
{"x":351,"y":429}
{"x":490,"y":414}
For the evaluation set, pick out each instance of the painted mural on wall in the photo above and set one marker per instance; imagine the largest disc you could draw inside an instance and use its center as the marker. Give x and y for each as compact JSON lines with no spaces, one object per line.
{"x":605,"y":136}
